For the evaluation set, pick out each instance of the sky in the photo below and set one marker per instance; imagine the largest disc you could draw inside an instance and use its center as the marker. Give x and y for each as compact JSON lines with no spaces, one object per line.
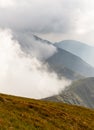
{"x":54,"y":20}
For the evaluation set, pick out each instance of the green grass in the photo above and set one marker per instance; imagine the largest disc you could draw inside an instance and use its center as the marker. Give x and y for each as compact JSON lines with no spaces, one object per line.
{"x":18,"y":113}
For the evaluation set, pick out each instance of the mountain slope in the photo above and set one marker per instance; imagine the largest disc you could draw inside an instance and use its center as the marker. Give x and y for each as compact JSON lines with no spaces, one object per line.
{"x":81,"y":92}
{"x":32,"y":44}
{"x":80,"y":49}
{"x":27,"y":114}
{"x":66,"y":59}
{"x":64,"y":63}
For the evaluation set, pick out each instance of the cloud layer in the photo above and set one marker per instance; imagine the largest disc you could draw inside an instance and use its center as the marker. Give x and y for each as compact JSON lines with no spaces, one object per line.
{"x":69,"y":18}
{"x":37,"y":16}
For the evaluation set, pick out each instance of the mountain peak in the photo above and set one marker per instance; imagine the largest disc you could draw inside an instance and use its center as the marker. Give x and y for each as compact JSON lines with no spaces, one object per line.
{"x":80,"y":49}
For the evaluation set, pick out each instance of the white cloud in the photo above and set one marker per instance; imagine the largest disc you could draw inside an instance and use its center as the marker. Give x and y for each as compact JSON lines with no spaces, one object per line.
{"x":6,"y":3}
{"x":24,"y":75}
{"x":38,"y":48}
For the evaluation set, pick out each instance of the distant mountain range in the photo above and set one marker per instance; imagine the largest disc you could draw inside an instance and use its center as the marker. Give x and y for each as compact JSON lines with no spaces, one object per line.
{"x":77,"y":48}
{"x":80,"y":92}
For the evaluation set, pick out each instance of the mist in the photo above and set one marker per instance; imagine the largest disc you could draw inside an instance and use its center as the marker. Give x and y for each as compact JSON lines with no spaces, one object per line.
{"x":31,"y":45}
{"x":23,"y":74}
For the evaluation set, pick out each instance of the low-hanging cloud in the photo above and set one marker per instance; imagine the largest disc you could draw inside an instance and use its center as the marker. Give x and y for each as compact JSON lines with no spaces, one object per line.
{"x":24,"y":75}
{"x":35,"y":46}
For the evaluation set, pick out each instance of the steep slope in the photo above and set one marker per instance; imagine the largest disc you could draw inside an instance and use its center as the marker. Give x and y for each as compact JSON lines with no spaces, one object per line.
{"x":27,"y":114}
{"x":63,"y":71}
{"x":61,"y":61}
{"x":80,"y":93}
{"x":32,"y":44}
{"x":66,"y":59}
{"x":80,"y":49}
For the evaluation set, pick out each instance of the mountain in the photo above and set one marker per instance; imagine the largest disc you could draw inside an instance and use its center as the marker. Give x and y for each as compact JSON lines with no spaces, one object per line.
{"x":18,"y":113}
{"x":33,"y":44}
{"x":66,"y":59}
{"x":61,"y":61}
{"x":41,"y":40}
{"x":80,"y":92}
{"x":80,"y":49}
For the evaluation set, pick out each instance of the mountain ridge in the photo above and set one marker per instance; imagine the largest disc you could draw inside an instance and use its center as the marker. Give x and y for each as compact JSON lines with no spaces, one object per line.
{"x":80,"y":92}
{"x":84,"y":51}
{"x":70,"y":61}
{"x":68,"y":64}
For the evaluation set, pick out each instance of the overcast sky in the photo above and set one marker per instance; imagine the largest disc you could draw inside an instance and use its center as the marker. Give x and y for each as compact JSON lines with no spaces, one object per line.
{"x":54,"y":20}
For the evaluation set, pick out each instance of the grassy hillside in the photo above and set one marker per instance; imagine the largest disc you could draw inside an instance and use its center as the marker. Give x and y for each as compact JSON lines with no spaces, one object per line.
{"x":27,"y":114}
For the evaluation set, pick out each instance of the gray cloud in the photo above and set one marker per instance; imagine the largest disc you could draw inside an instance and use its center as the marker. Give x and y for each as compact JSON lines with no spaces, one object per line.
{"x":72,"y":18}
{"x":41,"y":16}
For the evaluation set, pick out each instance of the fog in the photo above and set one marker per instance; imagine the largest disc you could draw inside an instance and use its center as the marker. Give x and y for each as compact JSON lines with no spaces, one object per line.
{"x":23,"y":74}
{"x":35,"y":46}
